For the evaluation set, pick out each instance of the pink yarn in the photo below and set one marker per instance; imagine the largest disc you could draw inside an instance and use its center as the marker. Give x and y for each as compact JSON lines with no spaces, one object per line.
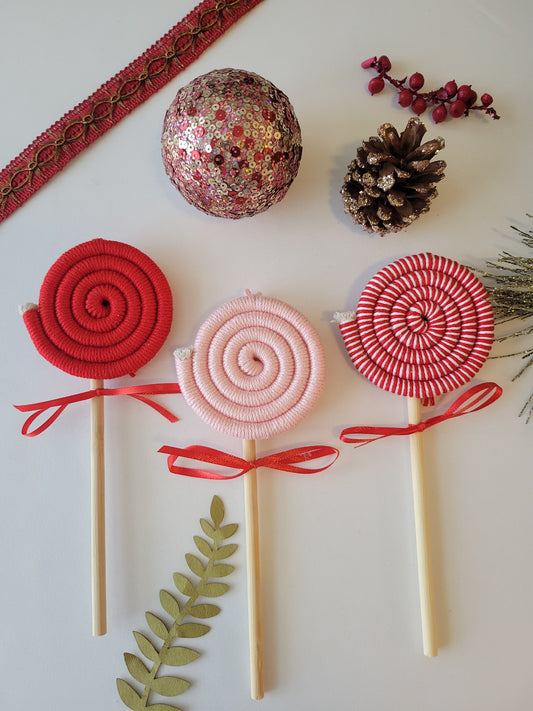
{"x":423,"y":327}
{"x":257,"y":368}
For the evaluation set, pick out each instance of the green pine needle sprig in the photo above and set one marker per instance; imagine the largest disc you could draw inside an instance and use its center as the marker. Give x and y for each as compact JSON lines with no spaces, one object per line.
{"x":510,"y":291}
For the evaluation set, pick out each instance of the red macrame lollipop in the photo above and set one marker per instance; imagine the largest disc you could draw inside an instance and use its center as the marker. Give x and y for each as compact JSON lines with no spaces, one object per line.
{"x":423,"y":327}
{"x":105,"y":309}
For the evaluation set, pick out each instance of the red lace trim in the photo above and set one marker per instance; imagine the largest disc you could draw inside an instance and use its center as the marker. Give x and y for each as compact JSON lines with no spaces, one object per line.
{"x":77,"y":129}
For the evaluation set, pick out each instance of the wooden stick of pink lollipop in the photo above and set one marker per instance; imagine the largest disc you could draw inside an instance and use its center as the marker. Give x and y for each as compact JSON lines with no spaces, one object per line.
{"x":423,"y":327}
{"x":256,"y":369}
{"x":105,"y":309}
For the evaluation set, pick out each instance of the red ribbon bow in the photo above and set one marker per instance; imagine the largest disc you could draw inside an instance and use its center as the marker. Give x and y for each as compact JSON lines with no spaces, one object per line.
{"x":61,"y":403}
{"x":475,"y":398}
{"x":287,"y":461}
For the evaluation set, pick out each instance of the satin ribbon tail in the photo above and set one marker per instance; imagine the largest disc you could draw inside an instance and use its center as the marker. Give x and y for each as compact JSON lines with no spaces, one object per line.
{"x":475,"y":398}
{"x":60,"y":404}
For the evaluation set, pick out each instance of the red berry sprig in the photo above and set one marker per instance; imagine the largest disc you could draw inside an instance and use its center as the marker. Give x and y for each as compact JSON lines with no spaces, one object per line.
{"x":449,"y":99}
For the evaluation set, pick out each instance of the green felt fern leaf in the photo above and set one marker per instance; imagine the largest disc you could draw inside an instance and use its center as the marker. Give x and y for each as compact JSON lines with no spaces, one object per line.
{"x":162,"y":652}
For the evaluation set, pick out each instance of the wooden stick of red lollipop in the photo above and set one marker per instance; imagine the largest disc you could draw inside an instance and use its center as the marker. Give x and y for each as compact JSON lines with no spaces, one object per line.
{"x":256,"y":369}
{"x":105,"y":309}
{"x":423,"y":327}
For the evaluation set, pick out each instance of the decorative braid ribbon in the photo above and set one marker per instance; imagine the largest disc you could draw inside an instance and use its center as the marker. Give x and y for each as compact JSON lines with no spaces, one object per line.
{"x":77,"y":129}
{"x":60,"y":404}
{"x":474,"y":399}
{"x":287,"y":461}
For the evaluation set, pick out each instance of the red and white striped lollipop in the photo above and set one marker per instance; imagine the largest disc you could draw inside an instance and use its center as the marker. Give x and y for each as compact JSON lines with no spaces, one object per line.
{"x":423,"y":327}
{"x":256,"y":369}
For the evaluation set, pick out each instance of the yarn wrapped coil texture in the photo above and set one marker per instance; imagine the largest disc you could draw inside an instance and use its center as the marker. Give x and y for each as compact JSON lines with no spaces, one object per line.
{"x":256,"y":369}
{"x":423,"y":327}
{"x":105,"y":309}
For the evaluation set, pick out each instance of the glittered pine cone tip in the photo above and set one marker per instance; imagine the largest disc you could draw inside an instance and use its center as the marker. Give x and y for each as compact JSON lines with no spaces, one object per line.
{"x":392,"y":179}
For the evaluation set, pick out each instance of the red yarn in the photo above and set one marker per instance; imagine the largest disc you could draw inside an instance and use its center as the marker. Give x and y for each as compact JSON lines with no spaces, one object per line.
{"x":105,"y":309}
{"x":77,"y":129}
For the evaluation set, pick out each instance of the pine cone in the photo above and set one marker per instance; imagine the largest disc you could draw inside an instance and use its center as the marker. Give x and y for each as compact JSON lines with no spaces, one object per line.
{"x":392,"y":179}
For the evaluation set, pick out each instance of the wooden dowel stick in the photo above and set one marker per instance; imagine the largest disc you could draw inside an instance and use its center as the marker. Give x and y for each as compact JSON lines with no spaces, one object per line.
{"x":98,"y":568}
{"x":425,"y":583}
{"x":255,"y":625}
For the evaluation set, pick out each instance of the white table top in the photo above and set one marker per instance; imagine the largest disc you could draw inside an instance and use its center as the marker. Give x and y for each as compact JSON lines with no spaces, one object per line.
{"x":340,"y":596}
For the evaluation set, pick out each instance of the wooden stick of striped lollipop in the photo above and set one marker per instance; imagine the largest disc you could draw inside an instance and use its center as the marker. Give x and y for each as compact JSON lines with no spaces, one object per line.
{"x":256,"y":369}
{"x":105,"y":309}
{"x":423,"y":327}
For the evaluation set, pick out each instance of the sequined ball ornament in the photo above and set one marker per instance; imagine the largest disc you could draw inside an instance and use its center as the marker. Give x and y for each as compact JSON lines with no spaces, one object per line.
{"x":231,"y":143}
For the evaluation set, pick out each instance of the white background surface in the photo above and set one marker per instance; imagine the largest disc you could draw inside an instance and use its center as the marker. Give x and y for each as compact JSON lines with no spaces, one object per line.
{"x":341,"y":611}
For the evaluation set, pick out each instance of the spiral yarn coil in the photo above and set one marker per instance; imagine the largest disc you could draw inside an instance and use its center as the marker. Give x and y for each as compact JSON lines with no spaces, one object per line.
{"x":105,"y":309}
{"x":423,"y":327}
{"x":256,"y":369}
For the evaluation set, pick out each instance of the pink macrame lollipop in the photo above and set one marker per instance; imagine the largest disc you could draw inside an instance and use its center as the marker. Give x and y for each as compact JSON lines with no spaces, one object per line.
{"x":423,"y":327}
{"x":105,"y":309}
{"x":256,"y":369}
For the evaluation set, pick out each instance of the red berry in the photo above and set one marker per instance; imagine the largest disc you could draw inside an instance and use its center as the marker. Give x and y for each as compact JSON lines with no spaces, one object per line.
{"x":376,"y":85}
{"x":486,"y":99}
{"x":472,"y":98}
{"x":419,"y":106}
{"x":368,"y":63}
{"x":416,"y":81}
{"x":442,"y":94}
{"x":457,"y":108}
{"x":451,"y":88}
{"x":384,"y":63}
{"x":464,"y":92}
{"x":405,"y":97}
{"x":439,"y":113}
